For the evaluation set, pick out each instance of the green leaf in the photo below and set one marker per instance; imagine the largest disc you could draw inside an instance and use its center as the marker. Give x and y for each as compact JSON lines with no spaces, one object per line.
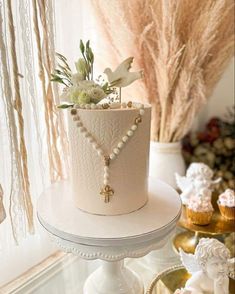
{"x":64,"y":106}
{"x":82,"y":47}
{"x":87,"y":44}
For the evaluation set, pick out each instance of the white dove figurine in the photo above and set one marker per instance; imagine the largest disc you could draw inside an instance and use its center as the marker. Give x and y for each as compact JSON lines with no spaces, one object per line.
{"x":121,"y":76}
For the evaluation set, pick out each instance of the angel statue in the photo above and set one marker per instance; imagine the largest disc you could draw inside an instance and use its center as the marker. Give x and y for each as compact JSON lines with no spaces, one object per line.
{"x":210,"y":267}
{"x":198,"y":181}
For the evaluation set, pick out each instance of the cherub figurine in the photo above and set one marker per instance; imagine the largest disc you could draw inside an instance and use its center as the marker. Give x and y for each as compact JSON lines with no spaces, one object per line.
{"x":198,"y":180}
{"x":210,"y":267}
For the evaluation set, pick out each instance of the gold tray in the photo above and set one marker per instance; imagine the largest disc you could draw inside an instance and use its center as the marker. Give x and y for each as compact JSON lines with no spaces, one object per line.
{"x":218,"y":225}
{"x":174,"y":278}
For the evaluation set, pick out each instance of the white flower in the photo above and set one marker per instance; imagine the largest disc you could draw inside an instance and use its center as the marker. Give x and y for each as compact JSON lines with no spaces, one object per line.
{"x":65,"y":95}
{"x":76,"y":78}
{"x":96,"y":94}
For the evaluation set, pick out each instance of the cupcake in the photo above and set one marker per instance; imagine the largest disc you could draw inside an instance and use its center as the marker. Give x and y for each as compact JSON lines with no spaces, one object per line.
{"x":226,"y":203}
{"x":199,"y":211}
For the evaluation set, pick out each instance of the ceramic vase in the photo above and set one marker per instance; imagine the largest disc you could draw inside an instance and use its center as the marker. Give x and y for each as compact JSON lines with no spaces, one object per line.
{"x":165,"y":160}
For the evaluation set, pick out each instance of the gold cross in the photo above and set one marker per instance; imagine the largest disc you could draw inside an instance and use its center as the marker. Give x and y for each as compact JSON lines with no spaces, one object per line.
{"x":106,"y":192}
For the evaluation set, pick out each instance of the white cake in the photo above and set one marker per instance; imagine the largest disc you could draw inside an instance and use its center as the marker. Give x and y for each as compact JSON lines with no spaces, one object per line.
{"x":128,"y":172}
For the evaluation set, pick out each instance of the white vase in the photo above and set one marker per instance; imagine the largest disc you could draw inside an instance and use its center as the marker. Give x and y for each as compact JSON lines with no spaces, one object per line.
{"x":165,"y":160}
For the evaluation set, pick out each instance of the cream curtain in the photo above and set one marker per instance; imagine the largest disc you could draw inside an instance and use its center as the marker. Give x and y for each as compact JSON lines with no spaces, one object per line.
{"x":33,"y":142}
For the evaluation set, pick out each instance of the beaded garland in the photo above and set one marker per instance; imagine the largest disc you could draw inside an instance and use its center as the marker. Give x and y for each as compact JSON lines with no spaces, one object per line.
{"x":107,"y":191}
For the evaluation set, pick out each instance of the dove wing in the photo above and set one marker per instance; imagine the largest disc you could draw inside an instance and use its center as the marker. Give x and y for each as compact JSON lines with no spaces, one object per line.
{"x":189,"y":262}
{"x":182,"y":182}
{"x":125,"y":65}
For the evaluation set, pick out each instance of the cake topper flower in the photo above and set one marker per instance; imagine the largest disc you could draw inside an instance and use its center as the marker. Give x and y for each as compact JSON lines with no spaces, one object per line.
{"x":81,"y":88}
{"x":210,"y":267}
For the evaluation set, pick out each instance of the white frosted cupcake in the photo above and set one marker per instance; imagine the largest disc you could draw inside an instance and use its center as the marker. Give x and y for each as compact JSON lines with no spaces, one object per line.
{"x":199,"y":211}
{"x":226,"y":203}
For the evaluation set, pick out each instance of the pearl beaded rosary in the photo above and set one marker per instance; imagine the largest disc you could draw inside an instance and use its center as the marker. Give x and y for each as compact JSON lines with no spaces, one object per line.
{"x":106,"y":190}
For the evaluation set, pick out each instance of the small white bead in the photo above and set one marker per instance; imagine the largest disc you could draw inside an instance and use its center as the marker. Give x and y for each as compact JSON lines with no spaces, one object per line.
{"x":123,"y":105}
{"x":93,"y":106}
{"x":120,"y":145}
{"x":100,"y":152}
{"x":88,"y":106}
{"x":79,"y":124}
{"x":112,"y":156}
{"x":106,"y":182}
{"x":82,"y":106}
{"x":142,"y":111}
{"x":95,"y":145}
{"x":106,"y":177}
{"x":98,"y":106}
{"x":82,"y":129}
{"x":134,"y":127}
{"x":106,"y":169}
{"x":116,"y":150}
{"x":76,"y":118}
{"x":125,"y":139}
{"x":130,"y":133}
{"x":90,"y":139}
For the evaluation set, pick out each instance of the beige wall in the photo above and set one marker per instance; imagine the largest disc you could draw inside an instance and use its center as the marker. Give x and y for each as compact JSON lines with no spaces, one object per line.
{"x":222,"y":97}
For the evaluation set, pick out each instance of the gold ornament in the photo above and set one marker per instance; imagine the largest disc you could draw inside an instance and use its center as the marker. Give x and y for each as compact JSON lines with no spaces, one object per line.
{"x":106,"y":192}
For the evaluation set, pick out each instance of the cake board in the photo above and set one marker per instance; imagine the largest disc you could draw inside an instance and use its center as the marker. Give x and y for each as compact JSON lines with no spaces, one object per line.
{"x":110,"y":238}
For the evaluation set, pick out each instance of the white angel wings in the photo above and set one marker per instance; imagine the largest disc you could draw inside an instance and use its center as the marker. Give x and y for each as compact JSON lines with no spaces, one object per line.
{"x":189,"y":261}
{"x":186,"y":186}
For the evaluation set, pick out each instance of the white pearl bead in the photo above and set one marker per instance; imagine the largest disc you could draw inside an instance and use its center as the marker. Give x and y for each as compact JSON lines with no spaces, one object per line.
{"x":95,"y":145}
{"x":106,"y":177}
{"x":79,"y":124}
{"x":142,"y":111}
{"x":116,"y":150}
{"x":100,"y":152}
{"x":88,"y":106}
{"x":77,"y":106}
{"x":93,"y":106}
{"x":134,"y":127}
{"x":98,"y":106}
{"x":82,"y":106}
{"x":130,"y":133}
{"x":82,"y":129}
{"x":120,"y":145}
{"x":76,"y":118}
{"x":125,"y":139}
{"x":123,"y":105}
{"x":106,"y":182}
{"x":90,"y":139}
{"x":112,"y":156}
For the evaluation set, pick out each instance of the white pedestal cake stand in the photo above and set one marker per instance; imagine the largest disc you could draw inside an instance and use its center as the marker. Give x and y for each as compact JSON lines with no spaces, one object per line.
{"x":110,"y":238}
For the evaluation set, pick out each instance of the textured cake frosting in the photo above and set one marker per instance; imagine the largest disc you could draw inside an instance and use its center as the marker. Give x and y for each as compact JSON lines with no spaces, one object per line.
{"x":128,"y":172}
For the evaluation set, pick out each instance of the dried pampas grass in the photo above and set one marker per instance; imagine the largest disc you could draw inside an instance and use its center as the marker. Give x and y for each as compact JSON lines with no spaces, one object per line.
{"x":183,"y":47}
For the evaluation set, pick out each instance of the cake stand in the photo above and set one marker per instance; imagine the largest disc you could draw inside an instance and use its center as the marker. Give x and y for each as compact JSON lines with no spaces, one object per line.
{"x":110,"y":238}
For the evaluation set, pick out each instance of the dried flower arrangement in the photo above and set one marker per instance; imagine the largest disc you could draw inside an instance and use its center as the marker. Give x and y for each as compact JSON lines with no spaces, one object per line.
{"x":183,"y":47}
